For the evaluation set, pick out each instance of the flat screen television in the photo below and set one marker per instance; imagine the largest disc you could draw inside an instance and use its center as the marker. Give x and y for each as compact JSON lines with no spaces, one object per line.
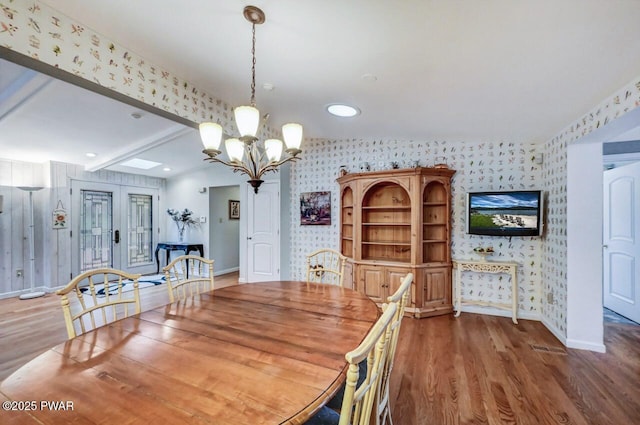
{"x":512,"y":213}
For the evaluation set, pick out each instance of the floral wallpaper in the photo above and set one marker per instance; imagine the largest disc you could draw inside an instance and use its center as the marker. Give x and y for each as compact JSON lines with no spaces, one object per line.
{"x":32,"y":28}
{"x":40,"y":32}
{"x":479,"y":166}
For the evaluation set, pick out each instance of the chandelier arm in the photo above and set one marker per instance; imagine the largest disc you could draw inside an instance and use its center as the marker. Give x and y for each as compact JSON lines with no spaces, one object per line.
{"x":274,"y":165}
{"x":237,"y":167}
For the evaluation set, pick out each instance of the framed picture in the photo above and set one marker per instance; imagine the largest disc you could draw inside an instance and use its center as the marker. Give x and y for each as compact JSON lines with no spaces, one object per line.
{"x":315,"y":208}
{"x":234,"y":210}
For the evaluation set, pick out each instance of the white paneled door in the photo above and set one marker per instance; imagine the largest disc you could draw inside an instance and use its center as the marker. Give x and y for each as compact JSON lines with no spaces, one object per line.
{"x":113,"y":226}
{"x":621,"y":237}
{"x":263,"y":233}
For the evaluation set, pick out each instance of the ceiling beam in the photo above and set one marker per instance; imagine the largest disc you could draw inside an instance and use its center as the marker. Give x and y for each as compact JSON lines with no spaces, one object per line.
{"x":138,"y":147}
{"x":28,"y":84}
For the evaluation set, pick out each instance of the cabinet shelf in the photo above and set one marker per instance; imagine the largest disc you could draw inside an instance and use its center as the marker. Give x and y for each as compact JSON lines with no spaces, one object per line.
{"x":434,"y":204}
{"x":434,"y":224}
{"x":387,"y":207}
{"x":386,"y":224}
{"x":390,"y":243}
{"x":386,"y":260}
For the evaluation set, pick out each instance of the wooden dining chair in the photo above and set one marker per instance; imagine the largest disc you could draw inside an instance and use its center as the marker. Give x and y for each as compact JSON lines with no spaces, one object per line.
{"x":400,"y":298}
{"x":326,"y":266}
{"x":98,"y":297}
{"x":187,"y":276}
{"x":359,"y":400}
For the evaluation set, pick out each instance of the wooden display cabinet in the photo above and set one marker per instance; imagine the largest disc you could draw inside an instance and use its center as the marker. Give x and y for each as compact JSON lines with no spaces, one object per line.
{"x":395,"y":222}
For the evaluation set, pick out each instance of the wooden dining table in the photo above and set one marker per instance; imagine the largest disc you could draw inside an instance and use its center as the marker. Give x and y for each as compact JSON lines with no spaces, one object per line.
{"x":260,"y":353}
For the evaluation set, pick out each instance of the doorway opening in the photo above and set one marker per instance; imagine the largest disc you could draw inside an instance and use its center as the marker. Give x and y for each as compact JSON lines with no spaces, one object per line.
{"x":225,"y":211}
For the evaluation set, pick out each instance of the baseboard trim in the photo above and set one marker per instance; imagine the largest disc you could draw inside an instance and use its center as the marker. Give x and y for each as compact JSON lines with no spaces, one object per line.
{"x":498,"y":312}
{"x":226,"y":271}
{"x":586,"y":345}
{"x":13,"y":294}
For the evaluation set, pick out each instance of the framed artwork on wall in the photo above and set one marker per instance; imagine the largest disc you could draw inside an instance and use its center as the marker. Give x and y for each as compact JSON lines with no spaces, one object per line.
{"x":315,"y":208}
{"x":234,"y":210}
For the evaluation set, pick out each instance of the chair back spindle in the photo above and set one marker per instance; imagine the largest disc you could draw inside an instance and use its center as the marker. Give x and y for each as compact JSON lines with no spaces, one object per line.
{"x":326,"y":266}
{"x":98,"y":297}
{"x":188,"y":276}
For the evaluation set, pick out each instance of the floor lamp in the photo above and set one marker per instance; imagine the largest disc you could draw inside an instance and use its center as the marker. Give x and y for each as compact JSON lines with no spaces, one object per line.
{"x":32,"y":255}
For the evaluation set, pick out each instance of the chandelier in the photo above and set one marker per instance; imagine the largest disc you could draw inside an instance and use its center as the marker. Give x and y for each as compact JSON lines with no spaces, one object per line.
{"x":247,"y":154}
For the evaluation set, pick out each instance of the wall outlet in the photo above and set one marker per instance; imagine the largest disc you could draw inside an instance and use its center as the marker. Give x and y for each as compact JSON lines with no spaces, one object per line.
{"x":203,"y":219}
{"x":19,"y":273}
{"x":550,"y":299}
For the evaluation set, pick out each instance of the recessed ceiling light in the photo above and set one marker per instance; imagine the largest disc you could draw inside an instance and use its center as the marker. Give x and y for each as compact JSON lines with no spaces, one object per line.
{"x":136,"y":115}
{"x":342,"y":110}
{"x":166,"y":169}
{"x":142,"y":164}
{"x":91,"y":155}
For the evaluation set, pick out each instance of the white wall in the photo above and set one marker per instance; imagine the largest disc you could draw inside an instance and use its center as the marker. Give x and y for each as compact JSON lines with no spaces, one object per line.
{"x":183,"y":192}
{"x":224,"y":233}
{"x":14,"y":226}
{"x":584,"y":247}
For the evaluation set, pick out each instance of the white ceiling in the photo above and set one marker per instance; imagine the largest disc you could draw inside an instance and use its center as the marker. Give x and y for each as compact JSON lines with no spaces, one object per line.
{"x":454,"y":69}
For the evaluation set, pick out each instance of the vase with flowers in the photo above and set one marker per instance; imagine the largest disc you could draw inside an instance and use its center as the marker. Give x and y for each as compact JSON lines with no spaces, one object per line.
{"x":183,"y":220}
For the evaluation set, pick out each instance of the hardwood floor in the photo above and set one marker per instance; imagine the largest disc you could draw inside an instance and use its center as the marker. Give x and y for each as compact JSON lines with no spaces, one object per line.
{"x":475,"y":369}
{"x":480,"y":369}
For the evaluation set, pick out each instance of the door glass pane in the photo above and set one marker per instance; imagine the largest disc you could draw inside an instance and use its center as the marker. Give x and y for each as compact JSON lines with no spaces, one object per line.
{"x":96,"y":225}
{"x":139,"y":229}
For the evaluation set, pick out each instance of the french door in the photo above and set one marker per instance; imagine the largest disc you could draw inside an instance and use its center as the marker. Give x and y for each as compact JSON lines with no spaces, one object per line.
{"x":113,"y":226}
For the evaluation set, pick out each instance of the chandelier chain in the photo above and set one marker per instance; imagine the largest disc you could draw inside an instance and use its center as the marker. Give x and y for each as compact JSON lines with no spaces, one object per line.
{"x":253,"y":66}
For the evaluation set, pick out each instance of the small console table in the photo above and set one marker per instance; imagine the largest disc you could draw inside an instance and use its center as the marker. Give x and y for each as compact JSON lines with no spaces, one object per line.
{"x":460,"y":266}
{"x":177,"y":246}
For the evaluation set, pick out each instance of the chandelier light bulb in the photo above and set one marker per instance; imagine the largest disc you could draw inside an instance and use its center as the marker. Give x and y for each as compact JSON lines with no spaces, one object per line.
{"x":235,"y":149}
{"x":273,"y":148}
{"x":247,"y":120}
{"x":211,"y":135}
{"x":292,"y":134}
